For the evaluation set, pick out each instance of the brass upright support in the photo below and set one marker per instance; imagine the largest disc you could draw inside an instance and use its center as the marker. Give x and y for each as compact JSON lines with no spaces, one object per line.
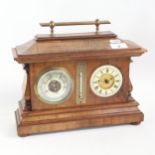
{"x":97,"y":23}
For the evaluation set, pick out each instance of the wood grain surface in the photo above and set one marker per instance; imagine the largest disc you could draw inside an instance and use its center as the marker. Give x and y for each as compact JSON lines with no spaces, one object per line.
{"x":66,"y":51}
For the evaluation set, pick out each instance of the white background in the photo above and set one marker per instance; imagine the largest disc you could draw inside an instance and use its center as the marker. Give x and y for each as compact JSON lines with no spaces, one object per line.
{"x":131,"y":19}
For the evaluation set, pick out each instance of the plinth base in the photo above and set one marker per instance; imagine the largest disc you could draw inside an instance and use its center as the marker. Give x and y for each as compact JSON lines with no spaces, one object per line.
{"x":34,"y":122}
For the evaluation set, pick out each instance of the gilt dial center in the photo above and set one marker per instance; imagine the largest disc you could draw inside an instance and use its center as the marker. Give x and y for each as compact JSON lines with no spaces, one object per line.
{"x":54,"y":86}
{"x":106,"y":81}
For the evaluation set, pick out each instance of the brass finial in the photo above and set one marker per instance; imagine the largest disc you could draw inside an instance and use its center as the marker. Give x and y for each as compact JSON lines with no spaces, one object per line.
{"x":97,"y":23}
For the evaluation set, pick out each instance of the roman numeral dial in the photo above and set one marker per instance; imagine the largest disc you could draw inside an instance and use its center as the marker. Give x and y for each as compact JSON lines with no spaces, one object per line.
{"x":106,"y":81}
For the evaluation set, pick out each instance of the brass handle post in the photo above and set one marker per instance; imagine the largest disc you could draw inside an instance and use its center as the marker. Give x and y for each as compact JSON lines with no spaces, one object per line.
{"x":97,"y":23}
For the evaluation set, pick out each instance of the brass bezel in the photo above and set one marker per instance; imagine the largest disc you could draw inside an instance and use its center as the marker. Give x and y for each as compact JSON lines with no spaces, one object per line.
{"x":53,"y":102}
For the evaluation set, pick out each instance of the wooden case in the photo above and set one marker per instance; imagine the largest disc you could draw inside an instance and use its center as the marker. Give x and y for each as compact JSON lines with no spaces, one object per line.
{"x":67,"y":51}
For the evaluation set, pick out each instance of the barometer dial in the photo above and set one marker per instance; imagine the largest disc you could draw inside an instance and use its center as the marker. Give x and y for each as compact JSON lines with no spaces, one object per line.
{"x":54,"y":86}
{"x":106,"y":81}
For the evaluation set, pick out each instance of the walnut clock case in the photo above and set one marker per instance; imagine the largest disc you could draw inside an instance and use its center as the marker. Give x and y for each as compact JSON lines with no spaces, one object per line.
{"x":76,"y":81}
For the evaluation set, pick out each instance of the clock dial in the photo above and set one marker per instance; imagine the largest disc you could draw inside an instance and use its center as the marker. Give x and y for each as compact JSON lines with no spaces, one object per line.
{"x":106,"y":81}
{"x":54,"y":86}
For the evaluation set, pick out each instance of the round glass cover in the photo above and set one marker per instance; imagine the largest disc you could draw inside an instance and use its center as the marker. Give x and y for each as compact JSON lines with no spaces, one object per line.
{"x":54,"y":86}
{"x":106,"y":81}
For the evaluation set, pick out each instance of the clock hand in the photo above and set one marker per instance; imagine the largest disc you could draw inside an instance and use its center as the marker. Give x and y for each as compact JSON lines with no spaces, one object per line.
{"x":111,"y":78}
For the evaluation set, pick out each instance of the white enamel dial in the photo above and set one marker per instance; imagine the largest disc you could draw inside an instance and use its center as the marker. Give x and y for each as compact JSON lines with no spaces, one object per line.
{"x":54,"y":86}
{"x":106,"y":81}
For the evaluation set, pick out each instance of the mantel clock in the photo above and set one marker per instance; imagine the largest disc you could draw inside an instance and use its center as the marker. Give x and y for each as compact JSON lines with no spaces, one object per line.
{"x":76,"y":80}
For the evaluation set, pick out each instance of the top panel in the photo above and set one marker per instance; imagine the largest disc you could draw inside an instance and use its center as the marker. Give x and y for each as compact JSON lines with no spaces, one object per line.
{"x":83,"y":46}
{"x":90,"y":35}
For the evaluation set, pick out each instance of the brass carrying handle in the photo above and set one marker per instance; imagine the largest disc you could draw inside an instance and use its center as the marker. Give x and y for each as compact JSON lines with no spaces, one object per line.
{"x":97,"y":23}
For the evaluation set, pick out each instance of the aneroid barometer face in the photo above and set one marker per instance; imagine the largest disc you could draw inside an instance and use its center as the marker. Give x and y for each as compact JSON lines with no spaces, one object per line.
{"x":106,"y":81}
{"x":54,"y":86}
